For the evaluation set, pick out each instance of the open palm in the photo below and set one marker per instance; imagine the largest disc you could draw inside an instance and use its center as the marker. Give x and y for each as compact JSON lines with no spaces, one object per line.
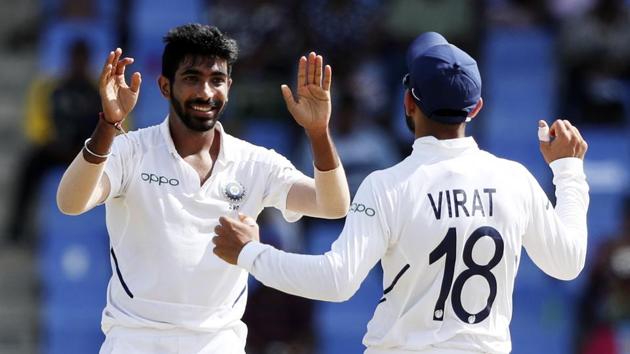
{"x":118,"y":98}
{"x":312,"y":107}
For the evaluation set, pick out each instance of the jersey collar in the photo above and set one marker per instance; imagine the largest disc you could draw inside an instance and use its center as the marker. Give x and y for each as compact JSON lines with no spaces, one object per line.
{"x":225,"y":151}
{"x":448,"y":146}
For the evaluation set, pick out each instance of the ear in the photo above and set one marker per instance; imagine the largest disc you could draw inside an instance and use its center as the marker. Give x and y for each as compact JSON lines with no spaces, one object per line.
{"x":476,"y":110}
{"x":410,"y":104}
{"x":229,"y":84}
{"x":165,"y":86}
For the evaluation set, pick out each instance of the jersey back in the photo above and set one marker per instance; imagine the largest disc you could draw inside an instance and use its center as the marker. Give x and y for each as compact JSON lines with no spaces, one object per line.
{"x":455,"y":227}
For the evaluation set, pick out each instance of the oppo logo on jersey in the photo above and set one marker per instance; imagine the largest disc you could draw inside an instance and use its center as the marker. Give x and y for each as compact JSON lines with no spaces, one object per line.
{"x":463,"y":203}
{"x":160,"y":180}
{"x":360,"y":208}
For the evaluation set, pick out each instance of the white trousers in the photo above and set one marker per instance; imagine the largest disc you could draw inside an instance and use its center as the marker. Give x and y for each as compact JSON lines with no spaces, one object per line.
{"x":121,"y":340}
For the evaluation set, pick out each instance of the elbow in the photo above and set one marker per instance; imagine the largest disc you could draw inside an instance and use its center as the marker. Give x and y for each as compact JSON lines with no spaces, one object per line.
{"x":343,"y":292}
{"x":576,"y":272}
{"x":571,"y":273}
{"x":344,"y":296}
{"x":338,"y":211}
{"x":67,"y":208}
{"x":338,"y":297}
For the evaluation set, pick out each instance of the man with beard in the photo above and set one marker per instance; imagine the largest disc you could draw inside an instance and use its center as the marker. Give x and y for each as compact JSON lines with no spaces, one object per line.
{"x":165,"y":186}
{"x":447,"y":223}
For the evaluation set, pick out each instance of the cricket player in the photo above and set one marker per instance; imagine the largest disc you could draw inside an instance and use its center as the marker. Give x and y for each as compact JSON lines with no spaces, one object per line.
{"x":447,"y":223}
{"x":164,"y":188}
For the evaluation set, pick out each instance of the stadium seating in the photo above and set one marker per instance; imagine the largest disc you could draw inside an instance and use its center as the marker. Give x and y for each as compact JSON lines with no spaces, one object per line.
{"x":340,"y":327}
{"x":56,"y":37}
{"x":74,"y":266}
{"x":151,"y":20}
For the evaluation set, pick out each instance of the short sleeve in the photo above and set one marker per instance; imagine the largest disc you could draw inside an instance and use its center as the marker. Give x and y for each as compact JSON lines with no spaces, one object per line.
{"x":118,"y":167}
{"x":282,"y":175}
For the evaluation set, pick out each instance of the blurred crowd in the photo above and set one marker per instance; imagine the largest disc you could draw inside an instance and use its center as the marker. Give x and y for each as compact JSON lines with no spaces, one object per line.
{"x":365,"y":42}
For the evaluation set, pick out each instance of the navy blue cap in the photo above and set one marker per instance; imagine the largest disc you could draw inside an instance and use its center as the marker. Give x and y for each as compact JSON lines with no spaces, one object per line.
{"x":443,"y":79}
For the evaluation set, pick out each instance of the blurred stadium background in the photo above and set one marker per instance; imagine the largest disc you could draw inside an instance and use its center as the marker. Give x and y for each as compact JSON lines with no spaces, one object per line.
{"x":540,"y":59}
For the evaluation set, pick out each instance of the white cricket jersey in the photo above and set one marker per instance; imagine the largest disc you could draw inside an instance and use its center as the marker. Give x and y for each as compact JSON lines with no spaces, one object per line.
{"x":448,"y":224}
{"x":161,"y":223}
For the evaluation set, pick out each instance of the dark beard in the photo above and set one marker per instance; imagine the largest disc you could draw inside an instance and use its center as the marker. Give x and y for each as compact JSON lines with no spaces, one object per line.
{"x":189,"y":121}
{"x":410,"y":125}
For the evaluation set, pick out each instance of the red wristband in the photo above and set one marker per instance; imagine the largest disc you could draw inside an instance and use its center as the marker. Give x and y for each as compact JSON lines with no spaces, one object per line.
{"x":117,"y":125}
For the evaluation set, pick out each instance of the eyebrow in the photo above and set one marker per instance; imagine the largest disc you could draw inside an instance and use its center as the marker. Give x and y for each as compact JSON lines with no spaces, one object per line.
{"x":193,"y":71}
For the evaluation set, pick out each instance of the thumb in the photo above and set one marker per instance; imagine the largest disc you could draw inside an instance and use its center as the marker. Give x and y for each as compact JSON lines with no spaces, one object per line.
{"x":136,"y":80}
{"x":247,"y":220}
{"x":543,"y":131}
{"x":288,"y":97}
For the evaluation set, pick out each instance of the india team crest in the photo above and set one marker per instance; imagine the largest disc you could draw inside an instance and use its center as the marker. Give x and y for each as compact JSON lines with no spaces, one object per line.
{"x":234,"y":192}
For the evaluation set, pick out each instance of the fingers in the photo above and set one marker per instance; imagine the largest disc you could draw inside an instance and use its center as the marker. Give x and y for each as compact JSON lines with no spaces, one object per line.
{"x":114,"y":66}
{"x":327,"y":78}
{"x":120,"y":66}
{"x":319,"y":62}
{"x":312,"y":58}
{"x":247,"y":220}
{"x":288,"y":97}
{"x":136,"y":80}
{"x":543,"y":131}
{"x":301,"y":78}
{"x":580,"y":145}
{"x":568,"y":141}
{"x":117,"y":54}
{"x":228,"y":226}
{"x":107,"y":68}
{"x":561,"y":131}
{"x":311,"y":71}
{"x":226,"y":223}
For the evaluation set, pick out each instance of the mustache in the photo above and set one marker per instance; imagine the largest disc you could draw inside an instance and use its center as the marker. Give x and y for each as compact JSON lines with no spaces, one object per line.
{"x":212,"y":103}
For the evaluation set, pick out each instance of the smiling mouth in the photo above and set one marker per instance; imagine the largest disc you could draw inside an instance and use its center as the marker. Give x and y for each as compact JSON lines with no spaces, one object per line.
{"x":204,"y":108}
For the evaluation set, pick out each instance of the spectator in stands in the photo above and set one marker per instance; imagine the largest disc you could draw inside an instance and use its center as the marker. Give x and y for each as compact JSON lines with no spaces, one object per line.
{"x":522,"y":13}
{"x":595,"y":58}
{"x":268,"y":42}
{"x":604,"y":310}
{"x":61,"y":112}
{"x":341,"y":28}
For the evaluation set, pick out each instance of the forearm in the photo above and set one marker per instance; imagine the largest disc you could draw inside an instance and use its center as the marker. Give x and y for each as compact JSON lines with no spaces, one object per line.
{"x":333,"y":276}
{"x":325,"y":156}
{"x":557,"y":241}
{"x":572,"y":205}
{"x":82,"y":186}
{"x":327,"y":196}
{"x":332,"y":193}
{"x":318,"y":277}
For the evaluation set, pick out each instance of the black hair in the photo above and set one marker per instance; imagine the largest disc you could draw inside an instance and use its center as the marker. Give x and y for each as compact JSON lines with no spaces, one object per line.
{"x":196,"y":40}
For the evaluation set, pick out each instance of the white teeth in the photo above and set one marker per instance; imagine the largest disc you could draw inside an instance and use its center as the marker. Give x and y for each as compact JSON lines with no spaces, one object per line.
{"x":202,"y":108}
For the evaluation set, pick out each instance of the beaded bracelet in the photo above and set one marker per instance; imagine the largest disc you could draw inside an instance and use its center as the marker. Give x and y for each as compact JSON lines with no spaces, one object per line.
{"x":85,"y":146}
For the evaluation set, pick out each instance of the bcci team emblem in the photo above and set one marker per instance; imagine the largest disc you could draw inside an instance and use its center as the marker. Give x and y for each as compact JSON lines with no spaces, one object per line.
{"x":234,"y":192}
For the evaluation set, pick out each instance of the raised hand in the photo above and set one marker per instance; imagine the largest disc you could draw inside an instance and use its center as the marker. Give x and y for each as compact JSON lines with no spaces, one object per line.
{"x":563,"y":140}
{"x":311,"y":108}
{"x":117,"y":98}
